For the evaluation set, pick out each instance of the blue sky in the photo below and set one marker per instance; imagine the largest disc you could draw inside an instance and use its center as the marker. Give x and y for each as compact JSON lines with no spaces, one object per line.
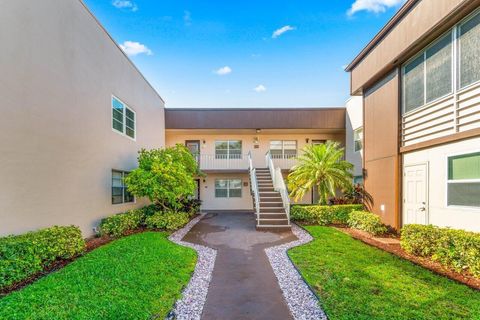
{"x":284,"y":53}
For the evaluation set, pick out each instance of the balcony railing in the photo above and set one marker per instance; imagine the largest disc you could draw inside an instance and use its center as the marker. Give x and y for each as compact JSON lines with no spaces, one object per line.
{"x":241,"y":161}
{"x":223,"y":161}
{"x":284,"y":161}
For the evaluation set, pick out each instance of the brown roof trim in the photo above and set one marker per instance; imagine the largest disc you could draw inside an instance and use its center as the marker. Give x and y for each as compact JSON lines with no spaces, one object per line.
{"x":382,"y":33}
{"x":256,"y":118}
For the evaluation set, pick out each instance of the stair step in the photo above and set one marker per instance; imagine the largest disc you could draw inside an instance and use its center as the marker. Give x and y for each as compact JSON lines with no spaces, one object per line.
{"x":271,"y":204}
{"x":264,"y":216}
{"x":266,"y":189}
{"x":272,"y":210}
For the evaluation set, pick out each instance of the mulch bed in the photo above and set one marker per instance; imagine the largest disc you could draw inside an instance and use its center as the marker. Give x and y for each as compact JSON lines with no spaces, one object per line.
{"x":397,"y":250}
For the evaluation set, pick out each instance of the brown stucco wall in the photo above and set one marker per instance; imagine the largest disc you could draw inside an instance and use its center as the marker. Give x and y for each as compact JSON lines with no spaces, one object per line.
{"x":381,"y":149}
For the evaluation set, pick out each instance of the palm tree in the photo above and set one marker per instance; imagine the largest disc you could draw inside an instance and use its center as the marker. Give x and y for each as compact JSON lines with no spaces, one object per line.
{"x":321,"y":166}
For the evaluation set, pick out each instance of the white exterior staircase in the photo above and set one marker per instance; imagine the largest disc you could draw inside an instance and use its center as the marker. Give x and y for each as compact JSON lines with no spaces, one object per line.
{"x":270,"y":197}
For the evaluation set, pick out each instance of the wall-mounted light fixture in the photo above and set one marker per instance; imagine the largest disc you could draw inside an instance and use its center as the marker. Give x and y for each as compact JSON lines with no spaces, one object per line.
{"x":307,"y":140}
{"x":258,"y":130}
{"x":255,"y":140}
{"x":203,"y":141}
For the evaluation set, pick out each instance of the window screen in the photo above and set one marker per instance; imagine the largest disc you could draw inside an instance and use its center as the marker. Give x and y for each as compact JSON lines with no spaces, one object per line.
{"x":414,"y":89}
{"x":469,"y":51}
{"x":439,"y":69}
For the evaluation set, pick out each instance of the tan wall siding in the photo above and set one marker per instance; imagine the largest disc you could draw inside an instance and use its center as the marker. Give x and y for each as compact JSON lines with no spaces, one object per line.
{"x":381,"y":149}
{"x":418,"y":22}
{"x":58,"y":149}
{"x":208,"y":148}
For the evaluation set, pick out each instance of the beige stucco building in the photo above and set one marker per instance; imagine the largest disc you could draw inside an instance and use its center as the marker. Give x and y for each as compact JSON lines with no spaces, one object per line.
{"x":283,"y":132}
{"x":59,"y":145}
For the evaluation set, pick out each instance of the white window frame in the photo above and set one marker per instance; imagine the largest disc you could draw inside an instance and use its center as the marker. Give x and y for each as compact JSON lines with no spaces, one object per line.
{"x":283,"y":149}
{"x":448,"y":181}
{"x":355,"y":140}
{"x":228,"y":188}
{"x":124,"y":127}
{"x":227,"y":156}
{"x":124,"y":186}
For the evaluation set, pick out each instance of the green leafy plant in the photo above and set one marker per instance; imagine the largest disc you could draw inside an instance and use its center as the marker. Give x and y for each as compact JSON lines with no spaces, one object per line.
{"x":191,"y":206}
{"x":165,"y":176}
{"x":168,"y":220}
{"x":120,"y":224}
{"x":367,"y":221}
{"x":457,"y":249}
{"x":24,"y":255}
{"x":320,"y":166}
{"x":323,"y":215}
{"x":355,"y":194}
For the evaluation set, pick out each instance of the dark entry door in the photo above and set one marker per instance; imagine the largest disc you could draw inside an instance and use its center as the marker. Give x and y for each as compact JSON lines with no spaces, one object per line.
{"x":197,"y":189}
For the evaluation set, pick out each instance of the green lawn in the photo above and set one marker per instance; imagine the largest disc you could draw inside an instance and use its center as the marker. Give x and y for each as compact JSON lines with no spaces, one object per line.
{"x":136,"y":277}
{"x":356,"y":281}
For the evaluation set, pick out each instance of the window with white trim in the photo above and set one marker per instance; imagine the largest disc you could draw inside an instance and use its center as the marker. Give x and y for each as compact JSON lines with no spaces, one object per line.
{"x":228,"y":149}
{"x":464,"y":180}
{"x":120,"y":193}
{"x":358,"y":139}
{"x":283,"y":149}
{"x":228,"y":188}
{"x":123,"y":118}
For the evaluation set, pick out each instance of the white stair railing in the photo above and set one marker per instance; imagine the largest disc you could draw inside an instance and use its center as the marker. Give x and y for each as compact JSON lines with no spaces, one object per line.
{"x":278,"y":183}
{"x":254,"y":185}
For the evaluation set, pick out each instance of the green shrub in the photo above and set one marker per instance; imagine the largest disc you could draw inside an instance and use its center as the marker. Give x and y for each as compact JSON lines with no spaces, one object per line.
{"x":367,"y":221}
{"x":167,"y":220}
{"x":457,"y":249}
{"x":323,"y":215}
{"x":120,"y":224}
{"x":24,"y":255}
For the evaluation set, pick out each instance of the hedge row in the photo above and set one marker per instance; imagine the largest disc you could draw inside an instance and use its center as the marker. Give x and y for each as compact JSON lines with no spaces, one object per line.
{"x":323,"y":215}
{"x":146,"y":217}
{"x":457,"y":249}
{"x":24,"y":255}
{"x":367,"y":221}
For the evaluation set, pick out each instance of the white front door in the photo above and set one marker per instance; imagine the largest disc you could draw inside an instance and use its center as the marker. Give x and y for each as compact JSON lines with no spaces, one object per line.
{"x":415,"y":194}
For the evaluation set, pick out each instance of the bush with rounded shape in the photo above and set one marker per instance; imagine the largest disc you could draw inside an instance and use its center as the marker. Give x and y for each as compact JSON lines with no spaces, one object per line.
{"x":169,"y":220}
{"x":323,"y":215}
{"x":24,"y":255}
{"x":367,"y":221}
{"x":458,"y":249}
{"x":120,"y":224}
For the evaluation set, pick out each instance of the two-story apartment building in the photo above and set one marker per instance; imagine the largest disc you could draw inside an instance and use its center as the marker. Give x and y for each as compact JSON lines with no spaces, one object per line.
{"x":225,"y":139}
{"x":75,"y":111}
{"x":419,"y":79}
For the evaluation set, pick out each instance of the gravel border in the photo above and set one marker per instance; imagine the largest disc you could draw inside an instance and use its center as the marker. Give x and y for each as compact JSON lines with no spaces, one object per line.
{"x":301,"y":300}
{"x":190,"y":306}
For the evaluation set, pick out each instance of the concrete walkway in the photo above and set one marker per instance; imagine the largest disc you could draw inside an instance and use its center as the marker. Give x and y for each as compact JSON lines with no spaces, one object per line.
{"x":243,"y":284}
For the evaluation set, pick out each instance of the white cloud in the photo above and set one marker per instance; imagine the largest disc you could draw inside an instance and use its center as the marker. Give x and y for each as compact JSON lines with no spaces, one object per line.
{"x":187,"y":18}
{"x":260,"y":88}
{"x":125,"y":4}
{"x":277,"y":33}
{"x":376,"y":6}
{"x":132,"y":48}
{"x":223,"y":71}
